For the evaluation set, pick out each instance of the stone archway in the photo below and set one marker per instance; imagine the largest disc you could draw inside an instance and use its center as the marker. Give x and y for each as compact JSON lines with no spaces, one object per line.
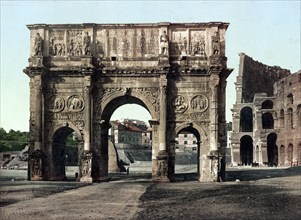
{"x":272,"y":149}
{"x":100,"y":133}
{"x":195,"y":154}
{"x":101,"y":65}
{"x":246,"y":150}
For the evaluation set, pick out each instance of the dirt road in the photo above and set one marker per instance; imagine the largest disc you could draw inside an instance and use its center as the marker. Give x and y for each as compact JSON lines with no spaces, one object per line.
{"x":135,"y":197}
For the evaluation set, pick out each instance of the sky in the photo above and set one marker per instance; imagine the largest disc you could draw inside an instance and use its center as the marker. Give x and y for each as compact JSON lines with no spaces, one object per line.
{"x":268,"y":31}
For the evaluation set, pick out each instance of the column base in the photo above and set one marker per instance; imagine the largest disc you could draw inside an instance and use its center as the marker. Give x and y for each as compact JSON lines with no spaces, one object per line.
{"x":162,"y":179}
{"x":86,"y":179}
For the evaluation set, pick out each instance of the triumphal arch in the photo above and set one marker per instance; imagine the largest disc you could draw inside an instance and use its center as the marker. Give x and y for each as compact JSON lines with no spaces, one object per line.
{"x":81,"y":73}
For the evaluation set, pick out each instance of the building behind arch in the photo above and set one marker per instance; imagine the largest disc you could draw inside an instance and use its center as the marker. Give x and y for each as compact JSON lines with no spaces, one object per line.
{"x":266,"y":115}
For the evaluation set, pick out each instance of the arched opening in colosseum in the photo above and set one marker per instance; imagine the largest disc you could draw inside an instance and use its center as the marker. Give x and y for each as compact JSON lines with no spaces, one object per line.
{"x":267,"y":121}
{"x":267,"y":104}
{"x":246,"y":120}
{"x":282,"y":156}
{"x":290,"y":118}
{"x":299,"y":115}
{"x":290,"y":99}
{"x":246,"y":150}
{"x":272,"y":149}
{"x":281,"y":117}
{"x":65,"y":153}
{"x":290,"y":153}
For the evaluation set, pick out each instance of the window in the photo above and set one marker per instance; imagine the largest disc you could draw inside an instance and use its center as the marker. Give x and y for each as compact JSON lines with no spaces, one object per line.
{"x":267,"y":121}
{"x":267,"y":104}
{"x":246,"y":119}
{"x":185,"y":142}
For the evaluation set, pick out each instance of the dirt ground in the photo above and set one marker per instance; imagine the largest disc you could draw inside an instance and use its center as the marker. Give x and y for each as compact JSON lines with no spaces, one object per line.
{"x":260,"y":194}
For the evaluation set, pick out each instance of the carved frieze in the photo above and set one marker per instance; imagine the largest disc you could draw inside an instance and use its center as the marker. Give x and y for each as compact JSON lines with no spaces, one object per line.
{"x":195,"y":116}
{"x":65,"y":116}
{"x":57,"y":45}
{"x":199,"y":103}
{"x":129,"y":42}
{"x":75,"y":103}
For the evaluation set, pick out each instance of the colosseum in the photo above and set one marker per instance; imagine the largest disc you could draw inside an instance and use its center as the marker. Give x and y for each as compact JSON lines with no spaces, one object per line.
{"x":266,"y":116}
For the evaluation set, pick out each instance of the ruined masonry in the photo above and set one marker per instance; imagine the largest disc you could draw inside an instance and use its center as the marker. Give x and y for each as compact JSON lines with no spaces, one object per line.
{"x":81,"y":73}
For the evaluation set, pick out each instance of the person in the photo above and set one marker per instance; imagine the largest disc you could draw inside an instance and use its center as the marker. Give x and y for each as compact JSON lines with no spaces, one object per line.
{"x":38,"y":44}
{"x":164,"y":44}
{"x":87,"y":42}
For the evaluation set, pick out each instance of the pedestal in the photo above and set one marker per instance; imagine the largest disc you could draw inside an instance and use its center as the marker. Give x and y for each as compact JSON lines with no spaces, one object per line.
{"x":86,"y":167}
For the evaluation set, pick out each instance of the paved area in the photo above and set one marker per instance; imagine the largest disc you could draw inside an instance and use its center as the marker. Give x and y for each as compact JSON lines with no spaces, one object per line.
{"x":270,"y":194}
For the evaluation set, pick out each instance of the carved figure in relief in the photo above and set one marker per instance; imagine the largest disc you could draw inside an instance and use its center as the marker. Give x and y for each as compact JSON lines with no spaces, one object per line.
{"x":38,"y":44}
{"x":180,"y":104}
{"x":58,"y":104}
{"x":71,"y":48}
{"x":164,"y":44}
{"x":215,"y":44}
{"x":87,"y":44}
{"x":75,"y":103}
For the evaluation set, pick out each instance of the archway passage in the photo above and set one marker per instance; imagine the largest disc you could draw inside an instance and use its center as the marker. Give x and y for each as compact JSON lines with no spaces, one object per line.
{"x":187,"y":152}
{"x":65,"y":153}
{"x":128,"y":134}
{"x":246,"y":150}
{"x":272,"y":149}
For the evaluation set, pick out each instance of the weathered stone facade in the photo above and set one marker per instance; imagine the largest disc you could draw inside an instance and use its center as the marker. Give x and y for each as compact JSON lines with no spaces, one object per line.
{"x":80,"y":74}
{"x":266,"y":115}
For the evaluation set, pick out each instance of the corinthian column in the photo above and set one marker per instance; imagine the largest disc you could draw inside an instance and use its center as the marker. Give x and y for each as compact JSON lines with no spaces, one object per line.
{"x":38,"y":112}
{"x":162,"y":126}
{"x":87,"y":131}
{"x":214,"y":79}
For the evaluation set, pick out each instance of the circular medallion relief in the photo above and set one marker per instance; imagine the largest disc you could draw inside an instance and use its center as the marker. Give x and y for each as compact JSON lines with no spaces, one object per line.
{"x":199,"y":102}
{"x":57,"y":104}
{"x":180,"y":103}
{"x":75,"y":103}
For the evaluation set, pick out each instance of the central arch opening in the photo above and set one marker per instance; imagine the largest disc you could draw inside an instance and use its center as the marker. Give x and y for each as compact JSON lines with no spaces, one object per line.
{"x":129,"y":137}
{"x":187,"y":152}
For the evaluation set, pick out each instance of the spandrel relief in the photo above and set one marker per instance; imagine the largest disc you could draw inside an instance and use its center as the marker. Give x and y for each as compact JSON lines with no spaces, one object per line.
{"x":197,"y":43}
{"x":75,"y":42}
{"x":57,"y":45}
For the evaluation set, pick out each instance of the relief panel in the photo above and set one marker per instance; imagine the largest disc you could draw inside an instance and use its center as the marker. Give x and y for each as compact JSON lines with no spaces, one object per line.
{"x":127,"y":43}
{"x":57,"y":46}
{"x":179,"y":42}
{"x":75,"y":42}
{"x":198,"y":44}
